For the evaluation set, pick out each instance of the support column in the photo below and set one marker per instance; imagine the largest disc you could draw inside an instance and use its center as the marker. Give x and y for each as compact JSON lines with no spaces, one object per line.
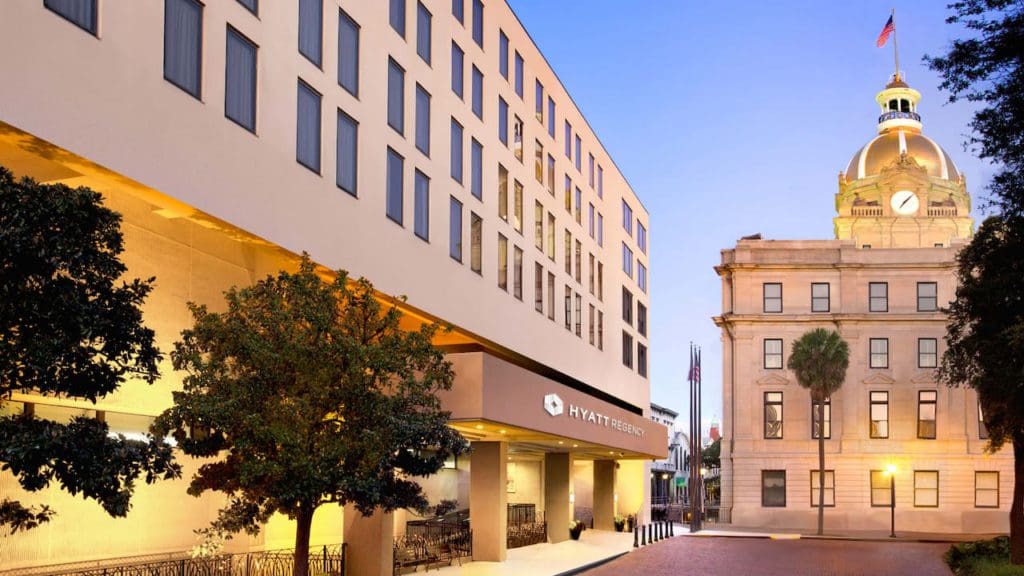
{"x":604,"y":494}
{"x":488,"y":500}
{"x":557,"y":484}
{"x":370,"y":542}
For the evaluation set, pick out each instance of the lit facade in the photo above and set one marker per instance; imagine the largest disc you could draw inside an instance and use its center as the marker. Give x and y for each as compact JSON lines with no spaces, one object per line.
{"x":427,"y":146}
{"x":903,"y":213}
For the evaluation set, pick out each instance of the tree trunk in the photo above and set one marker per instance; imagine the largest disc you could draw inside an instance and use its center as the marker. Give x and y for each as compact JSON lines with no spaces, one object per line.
{"x":821,"y":467}
{"x":304,"y":523}
{"x":1017,"y":509}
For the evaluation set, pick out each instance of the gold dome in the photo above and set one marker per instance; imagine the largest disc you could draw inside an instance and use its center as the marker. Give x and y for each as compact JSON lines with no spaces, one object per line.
{"x":887,"y":147}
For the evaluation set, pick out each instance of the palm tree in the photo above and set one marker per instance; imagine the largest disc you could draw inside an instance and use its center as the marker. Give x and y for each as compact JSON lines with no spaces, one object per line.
{"x":819,"y":360}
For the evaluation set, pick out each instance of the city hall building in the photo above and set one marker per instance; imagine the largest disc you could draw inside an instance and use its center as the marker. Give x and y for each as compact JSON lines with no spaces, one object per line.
{"x":903,"y":212}
{"x":425,"y":145}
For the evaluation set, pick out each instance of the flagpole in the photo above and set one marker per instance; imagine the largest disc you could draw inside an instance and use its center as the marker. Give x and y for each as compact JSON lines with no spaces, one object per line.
{"x":895,"y":49}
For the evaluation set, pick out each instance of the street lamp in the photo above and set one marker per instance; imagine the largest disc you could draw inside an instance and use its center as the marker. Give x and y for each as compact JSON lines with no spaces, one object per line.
{"x":890,"y":471}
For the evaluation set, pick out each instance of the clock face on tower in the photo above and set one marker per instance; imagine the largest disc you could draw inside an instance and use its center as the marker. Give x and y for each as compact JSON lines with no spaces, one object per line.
{"x":904,"y":202}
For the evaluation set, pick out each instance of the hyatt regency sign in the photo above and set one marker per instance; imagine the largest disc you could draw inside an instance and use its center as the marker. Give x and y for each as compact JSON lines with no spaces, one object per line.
{"x":554,"y":406}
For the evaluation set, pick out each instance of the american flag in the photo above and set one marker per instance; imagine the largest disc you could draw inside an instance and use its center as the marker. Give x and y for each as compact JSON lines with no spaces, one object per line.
{"x":694,"y":375}
{"x":887,"y":31}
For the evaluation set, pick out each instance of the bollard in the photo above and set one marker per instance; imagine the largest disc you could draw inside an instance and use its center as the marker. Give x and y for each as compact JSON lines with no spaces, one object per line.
{"x":671,"y":529}
{"x":636,"y":541}
{"x":654,"y":531}
{"x":643,"y":535}
{"x":660,"y":524}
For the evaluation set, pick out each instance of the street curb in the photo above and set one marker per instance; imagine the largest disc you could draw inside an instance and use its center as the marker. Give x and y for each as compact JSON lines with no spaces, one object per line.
{"x":796,"y":536}
{"x":594,"y":564}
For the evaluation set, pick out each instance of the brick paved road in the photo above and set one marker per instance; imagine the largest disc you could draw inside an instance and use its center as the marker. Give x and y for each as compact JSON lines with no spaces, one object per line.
{"x":710,"y":556}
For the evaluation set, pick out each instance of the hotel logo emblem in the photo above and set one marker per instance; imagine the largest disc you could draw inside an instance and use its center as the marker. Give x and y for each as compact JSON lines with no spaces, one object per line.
{"x":553,"y":404}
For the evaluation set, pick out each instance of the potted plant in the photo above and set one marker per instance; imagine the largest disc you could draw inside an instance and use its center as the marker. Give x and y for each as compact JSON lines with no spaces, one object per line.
{"x":575,"y":529}
{"x":620,"y":523}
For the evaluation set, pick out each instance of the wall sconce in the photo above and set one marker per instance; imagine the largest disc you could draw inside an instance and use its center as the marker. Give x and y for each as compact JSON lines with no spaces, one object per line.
{"x":572,"y":497}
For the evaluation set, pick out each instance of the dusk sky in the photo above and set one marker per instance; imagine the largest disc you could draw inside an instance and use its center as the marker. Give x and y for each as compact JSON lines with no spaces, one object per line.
{"x":732,"y":118}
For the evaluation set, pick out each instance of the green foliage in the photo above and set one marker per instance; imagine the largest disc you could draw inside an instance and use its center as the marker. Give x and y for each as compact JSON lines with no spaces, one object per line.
{"x":819,"y":360}
{"x":309,"y":392}
{"x":69,"y":329}
{"x":982,"y":558}
{"x":712,"y":455}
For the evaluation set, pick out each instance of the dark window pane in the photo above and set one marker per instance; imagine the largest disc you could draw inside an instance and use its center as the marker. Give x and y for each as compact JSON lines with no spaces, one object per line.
{"x":396,"y":16}
{"x":348,"y":146}
{"x":396,"y":96}
{"x":252,"y":5}
{"x":478,"y":22}
{"x":82,"y":13}
{"x":459,"y":10}
{"x":455,"y":230}
{"x":456,"y":151}
{"x":311,"y":30}
{"x":307,"y":148}
{"x":240,"y":80}
{"x":183,"y":39}
{"x":421,"y":210}
{"x":423,"y":19}
{"x":348,"y":53}
{"x":477,"y":169}
{"x":422,"y":120}
{"x":394,"y":185}
{"x":458,"y":72}
{"x":478,"y":92}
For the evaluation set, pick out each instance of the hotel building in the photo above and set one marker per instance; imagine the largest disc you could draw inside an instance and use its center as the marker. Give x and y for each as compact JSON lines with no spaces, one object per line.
{"x":423,"y":144}
{"x":903,"y":212}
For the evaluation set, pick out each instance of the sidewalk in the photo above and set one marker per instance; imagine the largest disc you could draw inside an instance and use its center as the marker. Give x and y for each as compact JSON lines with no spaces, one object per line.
{"x":860,"y":535}
{"x":594,"y":546}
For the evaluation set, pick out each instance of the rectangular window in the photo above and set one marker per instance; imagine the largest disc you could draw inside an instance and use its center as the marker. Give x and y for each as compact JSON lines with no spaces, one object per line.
{"x":503,"y":262}
{"x":538,"y":225}
{"x":879,"y":357}
{"x":820,"y":298}
{"x":347,"y":153}
{"x":476,"y":241}
{"x":600,"y":229}
{"x":881,"y":490}
{"x":773,"y":415}
{"x":502,"y":121}
{"x":517,"y":207}
{"x":476,"y":168}
{"x":590,"y":325}
{"x":518,"y":273}
{"x":551,"y":296}
{"x":830,"y":488}
{"x":423,"y":18}
{"x":421,"y":208}
{"x":773,"y":353}
{"x":517,"y":138}
{"x":627,"y":260}
{"x":879,"y":407}
{"x":478,"y":93}
{"x":455,"y":230}
{"x":459,"y":10}
{"x":579,"y":315}
{"x":240,"y":80}
{"x":348,"y":53}
{"x":600,"y":330}
{"x":982,"y":429}
{"x":568,"y":194}
{"x":478,"y":22}
{"x":539,"y":101}
{"x":927,"y":296}
{"x":641,"y":318}
{"x":590,"y":170}
{"x":600,"y":281}
{"x":579,"y":153}
{"x":183,"y":44}
{"x":81,"y":13}
{"x":772,"y":297}
{"x":600,"y":181}
{"x":551,"y":174}
{"x":456,"y":151}
{"x":568,"y":140}
{"x":538,"y":288}
{"x":396,"y":169}
{"x":568,"y":307}
{"x":590,"y":282}
{"x":641,"y":360}
{"x":627,"y":306}
{"x":551,"y":236}
{"x":641,"y":276}
{"x":627,"y":219}
{"x":773,"y":488}
{"x":502,"y":193}
{"x":986,"y":489}
{"x":816,"y":425}
{"x":927,"y":353}
{"x":568,"y":252}
{"x":396,"y":96}
{"x":251,"y":5}
{"x":878,"y":296}
{"x":926,"y":488}
{"x":503,"y":54}
{"x":579,"y":262}
{"x":396,"y":16}
{"x":590,"y":219}
{"x":311,"y":30}
{"x":551,"y":117}
{"x":458,"y":70}
{"x":519,"y":74}
{"x":579,"y":206}
{"x":641,"y":237}
{"x":422,"y":120}
{"x":926,"y":404}
{"x":627,"y":350}
{"x":538,"y":161}
{"x":307,"y":128}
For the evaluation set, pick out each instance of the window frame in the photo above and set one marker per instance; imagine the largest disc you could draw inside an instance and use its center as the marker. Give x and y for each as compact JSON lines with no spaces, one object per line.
{"x":934,"y":353}
{"x":996,"y":490}
{"x":827,"y":297}
{"x":319,"y":61}
{"x":934,"y":403}
{"x":354,"y":192}
{"x":198,"y":94}
{"x":780,"y":403}
{"x":765,"y":298}
{"x":871,"y":403}
{"x":814,"y":488}
{"x":937,"y":488}
{"x":302,"y":85}
{"x":93,"y":26}
{"x":344,"y":16}
{"x":872,"y":298}
{"x":394,"y":66}
{"x":230,"y":32}
{"x":764,"y":499}
{"x":828,"y":418}
{"x":935,"y":298}
{"x":887,"y":488}
{"x":871,"y":353}
{"x":765,"y":354}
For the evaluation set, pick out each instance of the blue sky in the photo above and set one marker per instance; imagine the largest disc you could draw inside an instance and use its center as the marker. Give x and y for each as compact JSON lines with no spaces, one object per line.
{"x":730,"y":118}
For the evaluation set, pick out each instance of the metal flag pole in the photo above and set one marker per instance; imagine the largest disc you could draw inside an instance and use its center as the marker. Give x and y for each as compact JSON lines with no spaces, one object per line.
{"x":895,"y":49}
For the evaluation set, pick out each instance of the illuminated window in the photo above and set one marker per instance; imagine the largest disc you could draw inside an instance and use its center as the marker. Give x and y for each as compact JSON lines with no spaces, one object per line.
{"x":986,"y":489}
{"x":455,"y":230}
{"x":773,"y":415}
{"x":502,"y":262}
{"x":476,"y":239}
{"x":518,"y":273}
{"x":926,"y":404}
{"x":830,"y":488}
{"x":517,"y":206}
{"x":879,"y":407}
{"x":502,"y":192}
{"x":926,"y":488}
{"x":538,"y":288}
{"x":816,"y":425}
{"x":881,"y":493}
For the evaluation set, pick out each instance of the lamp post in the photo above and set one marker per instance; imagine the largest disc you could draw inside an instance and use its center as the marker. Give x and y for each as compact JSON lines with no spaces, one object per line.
{"x":890,"y":471}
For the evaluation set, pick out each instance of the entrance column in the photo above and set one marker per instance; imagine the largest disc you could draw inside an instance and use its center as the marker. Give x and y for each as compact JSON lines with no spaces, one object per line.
{"x":604,"y":494}
{"x":488,"y":500}
{"x":557,"y":484}
{"x":370,"y":542}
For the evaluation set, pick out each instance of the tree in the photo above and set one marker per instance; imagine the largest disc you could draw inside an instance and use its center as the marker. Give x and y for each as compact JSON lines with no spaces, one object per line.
{"x":310,"y":393}
{"x":985,"y":344}
{"x":68,"y":329}
{"x":712,"y":455}
{"x":819,"y":360}
{"x":985,"y":332}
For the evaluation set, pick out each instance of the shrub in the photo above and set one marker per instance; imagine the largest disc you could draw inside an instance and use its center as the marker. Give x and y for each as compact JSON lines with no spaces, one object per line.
{"x":982,"y":558}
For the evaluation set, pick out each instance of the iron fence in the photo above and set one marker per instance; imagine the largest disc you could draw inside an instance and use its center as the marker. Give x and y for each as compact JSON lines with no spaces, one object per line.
{"x":526,"y":529}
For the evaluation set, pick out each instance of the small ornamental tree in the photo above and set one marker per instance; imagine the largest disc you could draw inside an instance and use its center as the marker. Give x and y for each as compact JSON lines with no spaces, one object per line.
{"x":69,"y":327}
{"x":310,"y":393}
{"x":819,"y":361}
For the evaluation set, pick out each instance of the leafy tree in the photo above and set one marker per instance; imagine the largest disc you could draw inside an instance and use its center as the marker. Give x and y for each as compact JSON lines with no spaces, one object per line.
{"x":985,"y":333}
{"x":819,"y":360}
{"x":712,"y":455}
{"x":68,"y":329}
{"x":310,"y":393}
{"x":985,"y":344}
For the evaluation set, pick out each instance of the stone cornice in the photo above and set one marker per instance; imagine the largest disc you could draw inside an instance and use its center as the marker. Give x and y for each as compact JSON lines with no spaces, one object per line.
{"x":887,"y":318}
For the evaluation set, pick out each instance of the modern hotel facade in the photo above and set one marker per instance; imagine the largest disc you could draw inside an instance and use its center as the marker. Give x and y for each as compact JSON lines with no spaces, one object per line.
{"x":903,"y":212}
{"x":425,"y":145}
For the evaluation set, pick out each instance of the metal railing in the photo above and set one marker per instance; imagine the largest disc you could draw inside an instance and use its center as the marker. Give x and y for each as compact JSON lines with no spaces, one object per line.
{"x":440,"y":540}
{"x":897,"y":115}
{"x":526,"y":529}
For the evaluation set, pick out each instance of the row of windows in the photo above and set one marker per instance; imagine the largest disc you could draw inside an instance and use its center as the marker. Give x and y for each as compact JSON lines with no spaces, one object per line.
{"x":878,"y":416}
{"x":627,"y":354}
{"x":878,"y":353}
{"x":627,"y":267}
{"x":627,"y":225}
{"x":926,"y":488}
{"x":878,"y":297}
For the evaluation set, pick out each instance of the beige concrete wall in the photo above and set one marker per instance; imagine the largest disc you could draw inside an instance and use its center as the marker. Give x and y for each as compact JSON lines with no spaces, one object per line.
{"x":528,"y":476}
{"x":583,"y":483}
